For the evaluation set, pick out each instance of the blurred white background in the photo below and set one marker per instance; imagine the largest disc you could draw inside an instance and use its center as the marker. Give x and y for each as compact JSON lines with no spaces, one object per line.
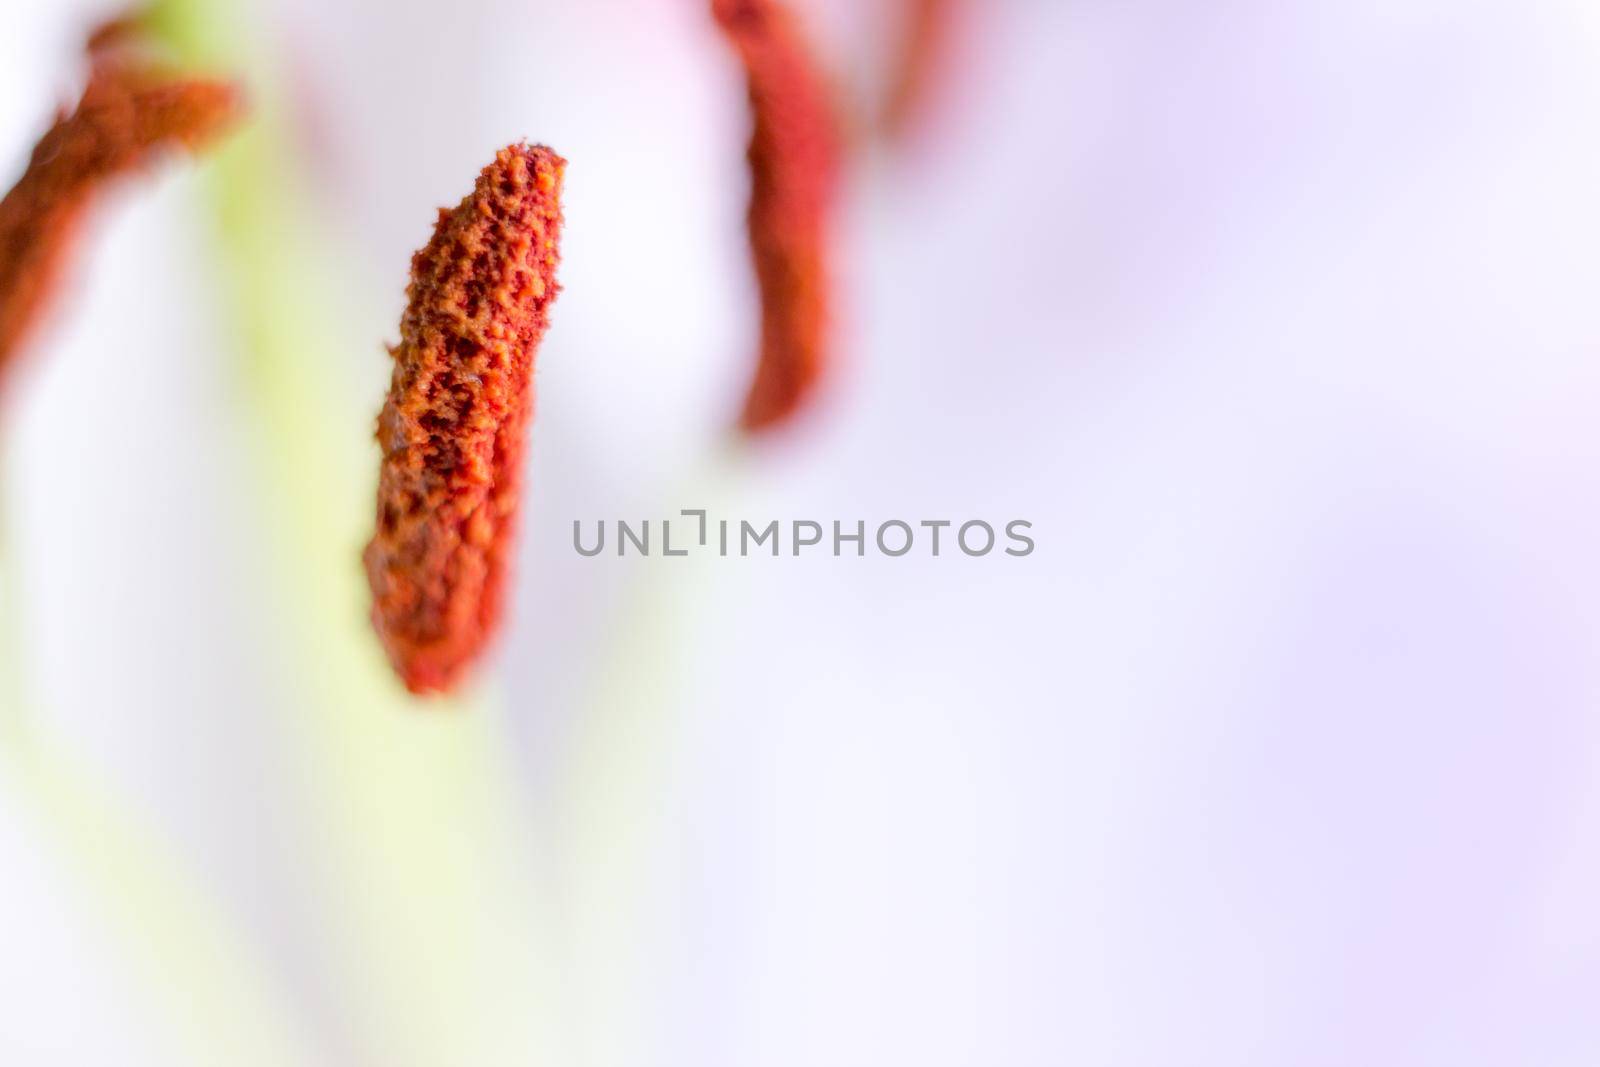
{"x":1278,"y":320}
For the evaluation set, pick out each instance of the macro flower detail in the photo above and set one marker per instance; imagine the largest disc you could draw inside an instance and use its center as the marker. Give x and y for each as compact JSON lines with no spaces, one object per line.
{"x":454,"y":428}
{"x":129,"y":113}
{"x":794,"y":155}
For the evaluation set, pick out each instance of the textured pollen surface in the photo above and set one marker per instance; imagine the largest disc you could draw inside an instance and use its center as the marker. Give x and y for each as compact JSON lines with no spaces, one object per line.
{"x":128,"y":114}
{"x":794,"y":169}
{"x":454,"y":428}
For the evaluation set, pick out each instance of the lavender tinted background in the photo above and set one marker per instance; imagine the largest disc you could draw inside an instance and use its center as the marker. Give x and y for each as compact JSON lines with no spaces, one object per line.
{"x":1277,"y":319}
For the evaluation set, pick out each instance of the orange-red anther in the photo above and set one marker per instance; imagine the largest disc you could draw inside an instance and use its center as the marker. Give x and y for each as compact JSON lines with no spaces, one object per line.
{"x":794,"y":169}
{"x":455,"y":426}
{"x":924,"y":55}
{"x":128,"y":113}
